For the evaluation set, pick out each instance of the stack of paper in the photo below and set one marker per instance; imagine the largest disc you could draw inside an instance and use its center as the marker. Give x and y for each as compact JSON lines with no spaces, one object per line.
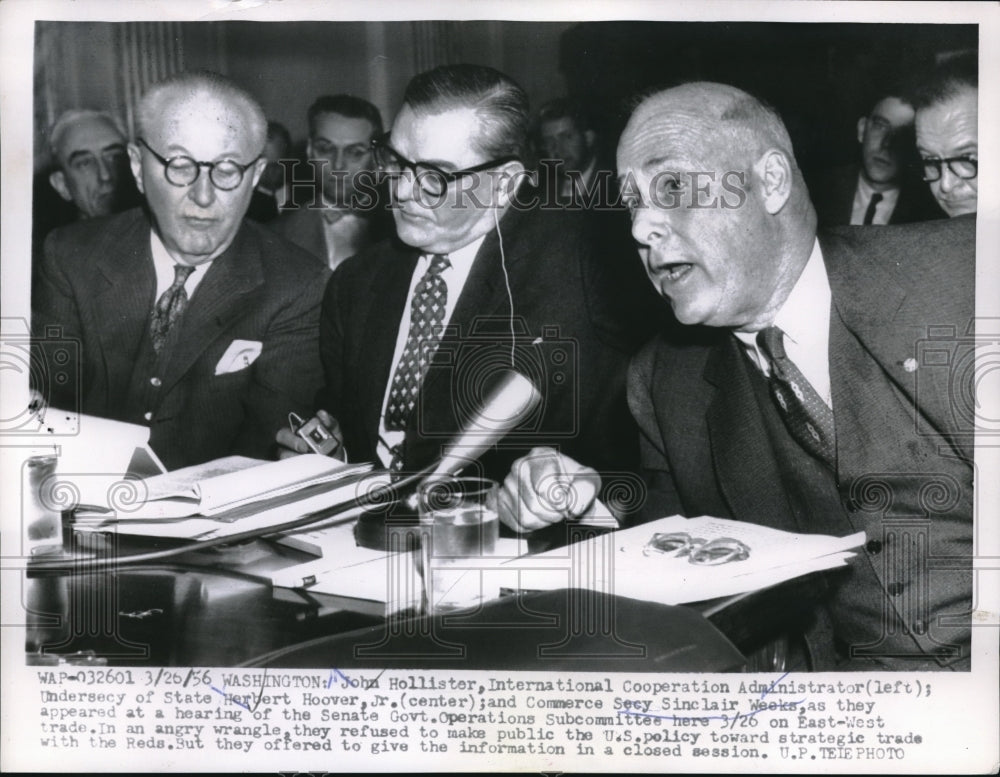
{"x":233,"y":494}
{"x":621,"y":563}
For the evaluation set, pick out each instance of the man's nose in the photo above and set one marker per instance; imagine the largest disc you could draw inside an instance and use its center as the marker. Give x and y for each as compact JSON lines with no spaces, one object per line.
{"x":649,"y":226}
{"x":105,"y":171}
{"x":401,"y":185}
{"x":202,"y":191}
{"x":948,"y":179}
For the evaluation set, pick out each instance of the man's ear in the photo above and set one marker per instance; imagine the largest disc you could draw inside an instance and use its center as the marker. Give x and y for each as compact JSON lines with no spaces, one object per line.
{"x":506,"y":181}
{"x":57,"y":180}
{"x":862,"y":126}
{"x":258,"y":170}
{"x":774,"y":171}
{"x":590,"y":137}
{"x":135,"y":162}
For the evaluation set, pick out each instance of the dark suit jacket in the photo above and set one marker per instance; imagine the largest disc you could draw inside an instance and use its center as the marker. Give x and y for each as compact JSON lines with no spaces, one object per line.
{"x":704,"y":448}
{"x":97,"y":284}
{"x":563,"y":297}
{"x":304,"y":227}
{"x":832,"y":194}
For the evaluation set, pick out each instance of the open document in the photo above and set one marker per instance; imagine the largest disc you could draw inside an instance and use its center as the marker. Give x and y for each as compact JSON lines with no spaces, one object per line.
{"x":673,"y":560}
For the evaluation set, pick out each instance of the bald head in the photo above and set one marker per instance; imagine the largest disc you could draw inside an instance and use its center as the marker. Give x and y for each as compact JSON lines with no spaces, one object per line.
{"x":682,"y":119}
{"x":719,"y":208}
{"x":201,"y":92}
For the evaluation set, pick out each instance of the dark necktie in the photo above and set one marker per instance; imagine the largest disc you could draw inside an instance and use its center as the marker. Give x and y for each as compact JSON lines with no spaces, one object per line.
{"x":808,"y":418}
{"x":872,"y":204}
{"x":426,"y":318}
{"x":169,"y":306}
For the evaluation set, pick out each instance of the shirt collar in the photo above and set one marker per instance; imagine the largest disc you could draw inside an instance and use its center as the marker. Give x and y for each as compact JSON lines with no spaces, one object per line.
{"x":806,"y":312}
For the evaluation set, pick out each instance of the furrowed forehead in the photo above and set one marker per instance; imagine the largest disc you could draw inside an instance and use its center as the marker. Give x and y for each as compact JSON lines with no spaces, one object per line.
{"x":667,"y":135}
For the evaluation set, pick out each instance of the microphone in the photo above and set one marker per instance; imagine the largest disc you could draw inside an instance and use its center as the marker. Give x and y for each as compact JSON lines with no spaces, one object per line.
{"x":512,"y":400}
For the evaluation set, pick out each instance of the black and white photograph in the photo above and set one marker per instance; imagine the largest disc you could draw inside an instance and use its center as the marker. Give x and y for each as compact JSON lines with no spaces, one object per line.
{"x":500,"y":387}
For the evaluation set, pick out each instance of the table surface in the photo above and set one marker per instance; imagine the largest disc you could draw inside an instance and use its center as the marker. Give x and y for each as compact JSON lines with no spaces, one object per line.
{"x":217,"y":608}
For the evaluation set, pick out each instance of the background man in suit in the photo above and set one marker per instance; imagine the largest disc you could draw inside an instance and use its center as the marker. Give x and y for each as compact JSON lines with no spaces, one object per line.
{"x":883,"y":188}
{"x":271,"y":193}
{"x":90,"y":176}
{"x":500,"y":285}
{"x":792,"y":400}
{"x":568,"y":148}
{"x":189,"y":320}
{"x":347,"y":218}
{"x":92,"y":166}
{"x":948,"y":134}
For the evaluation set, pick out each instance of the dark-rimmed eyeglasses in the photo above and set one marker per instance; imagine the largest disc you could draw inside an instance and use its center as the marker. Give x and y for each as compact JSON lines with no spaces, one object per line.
{"x":184,"y":171}
{"x":965,"y":167}
{"x":430,"y":178}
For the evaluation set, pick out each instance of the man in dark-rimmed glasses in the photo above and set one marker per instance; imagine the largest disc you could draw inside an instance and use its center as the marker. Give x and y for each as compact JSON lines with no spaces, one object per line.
{"x":189,"y":320}
{"x":948,"y":134}
{"x":413,"y":334}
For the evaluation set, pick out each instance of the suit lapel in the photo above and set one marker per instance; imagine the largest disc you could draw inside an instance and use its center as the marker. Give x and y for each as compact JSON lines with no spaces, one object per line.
{"x":745,"y":467}
{"x":123,"y":300}
{"x":315,"y":236}
{"x":372,"y":359}
{"x":890,"y":326}
{"x":221,"y":297}
{"x":484,"y":295}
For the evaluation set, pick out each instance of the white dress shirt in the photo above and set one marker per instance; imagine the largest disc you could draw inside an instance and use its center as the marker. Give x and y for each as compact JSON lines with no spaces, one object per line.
{"x":164,"y":265}
{"x":862,"y":197}
{"x":455,"y":277}
{"x":805,"y":320}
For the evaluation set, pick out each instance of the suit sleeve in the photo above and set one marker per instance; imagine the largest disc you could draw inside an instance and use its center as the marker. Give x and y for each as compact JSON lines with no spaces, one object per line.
{"x":56,"y":329}
{"x":287,"y":372}
{"x":661,"y":497}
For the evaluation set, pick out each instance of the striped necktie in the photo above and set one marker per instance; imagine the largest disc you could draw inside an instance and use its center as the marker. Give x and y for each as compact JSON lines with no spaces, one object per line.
{"x":808,"y":418}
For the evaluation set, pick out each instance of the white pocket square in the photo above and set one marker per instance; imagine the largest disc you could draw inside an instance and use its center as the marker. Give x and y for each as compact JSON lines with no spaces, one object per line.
{"x":238,"y":356}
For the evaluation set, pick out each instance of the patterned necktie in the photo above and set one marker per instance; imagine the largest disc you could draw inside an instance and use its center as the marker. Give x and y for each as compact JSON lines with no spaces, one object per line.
{"x":808,"y":418}
{"x":426,"y":318}
{"x":169,"y":306}
{"x":872,"y":204}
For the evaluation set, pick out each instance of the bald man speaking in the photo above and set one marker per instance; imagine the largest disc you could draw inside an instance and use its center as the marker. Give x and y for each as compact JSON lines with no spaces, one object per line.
{"x":798,"y":396}
{"x":190,"y":320}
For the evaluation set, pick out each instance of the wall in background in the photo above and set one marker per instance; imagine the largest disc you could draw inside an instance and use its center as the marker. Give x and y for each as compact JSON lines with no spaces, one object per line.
{"x":819,"y":76}
{"x":285,"y":64}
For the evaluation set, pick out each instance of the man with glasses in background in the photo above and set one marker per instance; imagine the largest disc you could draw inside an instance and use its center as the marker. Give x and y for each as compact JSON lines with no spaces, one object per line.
{"x":948,"y":134}
{"x":884,"y":187}
{"x":413,"y":334}
{"x":344,"y":213}
{"x":189,"y":319}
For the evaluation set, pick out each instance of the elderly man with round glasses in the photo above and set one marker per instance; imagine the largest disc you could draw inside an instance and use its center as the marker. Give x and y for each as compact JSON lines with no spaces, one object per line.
{"x":189,"y":319}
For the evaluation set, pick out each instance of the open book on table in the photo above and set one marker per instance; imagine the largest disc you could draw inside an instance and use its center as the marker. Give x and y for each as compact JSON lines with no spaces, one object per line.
{"x":226,"y":484}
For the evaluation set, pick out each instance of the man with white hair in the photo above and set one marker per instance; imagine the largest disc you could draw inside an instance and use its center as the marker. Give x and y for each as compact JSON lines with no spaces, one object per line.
{"x":190,"y":320}
{"x":814,"y":386}
{"x":92,"y":166}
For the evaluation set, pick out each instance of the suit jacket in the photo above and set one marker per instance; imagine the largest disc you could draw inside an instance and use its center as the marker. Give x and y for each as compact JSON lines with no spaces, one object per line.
{"x":572,"y":337}
{"x":833,"y":196}
{"x":97,"y":284}
{"x":704,"y":447}
{"x":304,"y":227}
